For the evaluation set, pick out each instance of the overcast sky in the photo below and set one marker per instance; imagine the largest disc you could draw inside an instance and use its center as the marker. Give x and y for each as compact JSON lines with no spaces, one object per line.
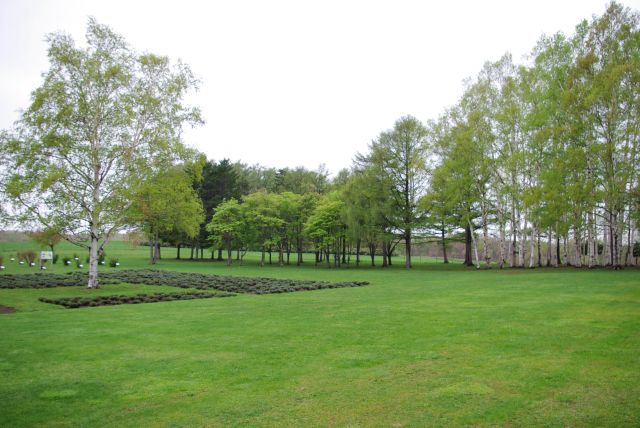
{"x":289,"y":83}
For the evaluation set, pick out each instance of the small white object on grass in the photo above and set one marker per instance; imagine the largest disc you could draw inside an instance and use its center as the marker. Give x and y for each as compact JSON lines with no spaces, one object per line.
{"x":80,"y":266}
{"x":117,"y":263}
{"x":1,"y":267}
{"x":21,"y":262}
{"x":13,"y":259}
{"x":33,"y":264}
{"x":43,"y":267}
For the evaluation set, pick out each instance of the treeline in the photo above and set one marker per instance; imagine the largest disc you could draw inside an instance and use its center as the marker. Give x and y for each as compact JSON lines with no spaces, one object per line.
{"x":535,"y":165}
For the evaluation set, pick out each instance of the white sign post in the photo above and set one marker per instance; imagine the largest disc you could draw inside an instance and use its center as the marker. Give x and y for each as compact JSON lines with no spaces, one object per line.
{"x":44,"y":256}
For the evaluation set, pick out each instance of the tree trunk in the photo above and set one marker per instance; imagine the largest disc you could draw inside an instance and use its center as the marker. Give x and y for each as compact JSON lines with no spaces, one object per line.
{"x":532,"y":247}
{"x":358,"y":242}
{"x":407,"y":248}
{"x":344,"y":250}
{"x":558,"y":260}
{"x":502,"y":246}
{"x":444,"y":248}
{"x":262,"y":256}
{"x":486,"y":255}
{"x":549,"y":247}
{"x":467,"y":246}
{"x":93,"y":262}
{"x":539,"y":250}
{"x":385,"y":261}
{"x":577,"y":243}
{"x":590,"y":240}
{"x":156,"y":251}
{"x":475,"y":246}
{"x":372,"y":253}
{"x":523,"y":242}
{"x":178,"y":252}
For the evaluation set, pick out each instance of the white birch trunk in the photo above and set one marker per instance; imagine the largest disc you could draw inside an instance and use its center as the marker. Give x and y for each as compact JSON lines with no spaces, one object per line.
{"x":590,"y":254}
{"x":522,"y":243}
{"x":605,"y":241}
{"x":475,"y":245}
{"x":93,"y":262}
{"x":502,"y":246}
{"x":532,"y":256}
{"x":549,"y":247}
{"x":577,"y":243}
{"x":486,"y":255}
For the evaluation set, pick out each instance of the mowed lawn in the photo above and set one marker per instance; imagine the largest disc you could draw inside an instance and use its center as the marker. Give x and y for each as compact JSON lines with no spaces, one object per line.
{"x":434,"y":346}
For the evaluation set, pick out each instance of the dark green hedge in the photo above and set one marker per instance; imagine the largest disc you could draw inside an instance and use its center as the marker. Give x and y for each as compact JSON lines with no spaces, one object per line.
{"x":82,"y":302}
{"x":233,"y":284}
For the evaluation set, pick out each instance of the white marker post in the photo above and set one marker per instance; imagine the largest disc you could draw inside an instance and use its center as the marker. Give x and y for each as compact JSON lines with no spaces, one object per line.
{"x":44,"y":256}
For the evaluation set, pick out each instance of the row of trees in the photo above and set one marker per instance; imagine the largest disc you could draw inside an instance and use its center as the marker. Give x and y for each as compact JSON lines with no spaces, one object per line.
{"x":534,"y":158}
{"x":537,"y":164}
{"x":548,"y":150}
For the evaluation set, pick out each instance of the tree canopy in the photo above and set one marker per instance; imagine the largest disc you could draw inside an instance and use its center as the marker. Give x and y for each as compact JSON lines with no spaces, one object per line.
{"x":104,"y":120}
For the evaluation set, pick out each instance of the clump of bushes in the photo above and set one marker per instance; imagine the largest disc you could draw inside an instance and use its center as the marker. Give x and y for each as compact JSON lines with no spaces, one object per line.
{"x":82,"y":302}
{"x":29,"y":257}
{"x":55,"y":258}
{"x":114,"y":262}
{"x":66,"y":260}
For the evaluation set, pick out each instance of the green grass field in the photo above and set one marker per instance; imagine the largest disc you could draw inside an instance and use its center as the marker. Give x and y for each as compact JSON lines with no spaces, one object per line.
{"x":434,"y":346}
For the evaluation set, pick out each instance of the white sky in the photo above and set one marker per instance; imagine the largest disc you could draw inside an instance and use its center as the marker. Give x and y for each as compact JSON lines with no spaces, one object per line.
{"x":289,"y":83}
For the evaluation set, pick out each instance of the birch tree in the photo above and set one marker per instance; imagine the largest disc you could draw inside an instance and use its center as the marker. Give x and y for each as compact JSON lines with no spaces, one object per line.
{"x":103,"y":120}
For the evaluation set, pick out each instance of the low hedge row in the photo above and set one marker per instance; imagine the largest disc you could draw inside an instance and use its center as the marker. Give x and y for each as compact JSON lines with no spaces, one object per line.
{"x":49,"y":280}
{"x":83,"y":302}
{"x":232,"y":284}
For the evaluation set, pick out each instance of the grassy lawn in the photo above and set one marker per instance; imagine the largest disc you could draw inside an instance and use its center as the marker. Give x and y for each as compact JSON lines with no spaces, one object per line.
{"x":434,"y":346}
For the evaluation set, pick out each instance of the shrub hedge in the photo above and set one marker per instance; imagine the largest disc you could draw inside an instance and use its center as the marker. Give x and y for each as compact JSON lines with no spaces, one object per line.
{"x":83,"y":302}
{"x":232,"y":284}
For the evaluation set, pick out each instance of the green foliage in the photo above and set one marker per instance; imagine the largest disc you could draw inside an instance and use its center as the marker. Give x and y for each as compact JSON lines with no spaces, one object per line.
{"x":47,"y":238}
{"x":104,"y":121}
{"x":167,"y":205}
{"x":325,"y":226}
{"x":114,"y":262}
